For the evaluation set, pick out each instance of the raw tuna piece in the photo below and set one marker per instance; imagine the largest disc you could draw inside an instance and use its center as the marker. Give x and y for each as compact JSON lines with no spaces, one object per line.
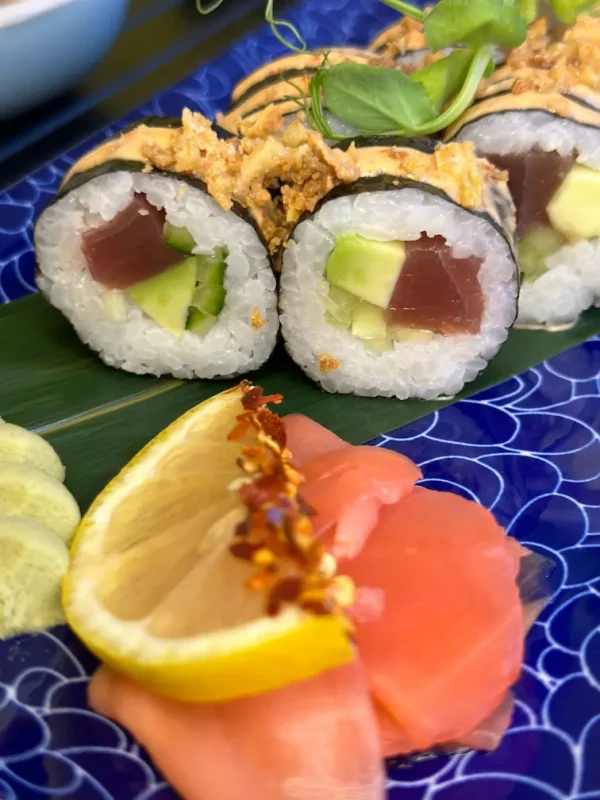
{"x":130,"y":248}
{"x":316,"y":740}
{"x":534,"y":178}
{"x":436,"y":291}
{"x":449,"y":643}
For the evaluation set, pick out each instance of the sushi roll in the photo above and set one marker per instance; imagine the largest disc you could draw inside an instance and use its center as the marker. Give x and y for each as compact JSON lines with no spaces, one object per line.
{"x":282,"y":84}
{"x":403,"y":281}
{"x":155,"y":274}
{"x":404,"y":42}
{"x":538,"y":118}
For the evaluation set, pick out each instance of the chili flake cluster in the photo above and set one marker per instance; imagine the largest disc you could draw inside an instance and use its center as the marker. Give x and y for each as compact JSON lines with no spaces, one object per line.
{"x":292,"y":566}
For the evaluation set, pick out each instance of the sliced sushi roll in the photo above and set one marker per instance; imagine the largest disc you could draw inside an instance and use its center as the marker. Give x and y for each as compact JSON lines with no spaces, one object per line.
{"x":538,"y":118}
{"x":404,"y":42}
{"x":284,"y":83}
{"x":155,"y":274}
{"x":402,"y":282}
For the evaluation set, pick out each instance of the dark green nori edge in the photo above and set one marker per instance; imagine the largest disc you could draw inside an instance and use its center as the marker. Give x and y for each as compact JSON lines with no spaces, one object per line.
{"x":426,"y":145}
{"x":581,"y":102}
{"x":271,"y":80}
{"x":389,"y":183}
{"x":527,"y":111}
{"x":155,"y":121}
{"x":279,"y":102}
{"x":479,"y":100}
{"x":567,"y":95}
{"x":117,"y":165}
{"x":421,"y":143}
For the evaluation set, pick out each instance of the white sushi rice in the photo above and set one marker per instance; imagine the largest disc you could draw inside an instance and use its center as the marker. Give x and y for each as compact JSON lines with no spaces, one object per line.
{"x":519,"y":132}
{"x":113,"y":325}
{"x":572,"y":283}
{"x":425,"y":370}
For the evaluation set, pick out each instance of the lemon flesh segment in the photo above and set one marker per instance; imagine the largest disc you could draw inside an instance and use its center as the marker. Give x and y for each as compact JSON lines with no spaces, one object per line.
{"x":154,"y":590}
{"x":28,"y":492}
{"x":20,"y":446}
{"x":33,"y":561}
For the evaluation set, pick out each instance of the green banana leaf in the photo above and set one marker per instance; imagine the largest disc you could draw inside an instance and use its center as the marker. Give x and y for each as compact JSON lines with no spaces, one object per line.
{"x":98,"y":418}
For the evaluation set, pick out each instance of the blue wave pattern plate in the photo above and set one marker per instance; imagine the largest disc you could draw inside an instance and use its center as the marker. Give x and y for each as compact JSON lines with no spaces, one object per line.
{"x":528,"y":449}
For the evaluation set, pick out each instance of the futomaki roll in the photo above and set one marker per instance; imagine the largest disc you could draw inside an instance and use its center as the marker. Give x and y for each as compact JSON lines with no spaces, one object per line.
{"x":155,"y":275}
{"x":538,"y":118}
{"x":403,"y":281}
{"x":404,"y":42}
{"x":283,"y":85}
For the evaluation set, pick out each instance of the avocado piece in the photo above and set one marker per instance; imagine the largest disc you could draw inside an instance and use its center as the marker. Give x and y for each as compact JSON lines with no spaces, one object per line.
{"x":179,"y":239}
{"x":337,"y":323}
{"x":378,"y":345}
{"x":366,"y":268}
{"x":574,"y":210}
{"x":199,"y":322}
{"x":368,"y":322}
{"x":114,"y":304}
{"x":166,"y":298}
{"x":411,"y":335}
{"x":339,"y":306}
{"x":209,"y":299}
{"x":535,"y":248}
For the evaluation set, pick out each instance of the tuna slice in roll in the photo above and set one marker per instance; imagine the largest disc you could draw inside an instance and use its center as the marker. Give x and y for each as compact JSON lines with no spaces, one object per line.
{"x":538,"y":118}
{"x":402,"y":281}
{"x":153,"y":272}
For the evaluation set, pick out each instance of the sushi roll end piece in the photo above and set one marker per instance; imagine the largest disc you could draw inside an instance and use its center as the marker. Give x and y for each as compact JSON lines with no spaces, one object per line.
{"x":157,"y":272}
{"x":538,"y":118}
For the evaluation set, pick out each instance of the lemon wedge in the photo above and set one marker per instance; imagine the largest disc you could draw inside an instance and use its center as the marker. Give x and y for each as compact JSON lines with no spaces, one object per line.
{"x":154,"y":590}
{"x":28,"y":492}
{"x":33,"y":561}
{"x":24,"y":447}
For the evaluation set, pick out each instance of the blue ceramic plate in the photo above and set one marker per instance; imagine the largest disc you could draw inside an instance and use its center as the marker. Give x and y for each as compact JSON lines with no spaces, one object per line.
{"x":528,"y":449}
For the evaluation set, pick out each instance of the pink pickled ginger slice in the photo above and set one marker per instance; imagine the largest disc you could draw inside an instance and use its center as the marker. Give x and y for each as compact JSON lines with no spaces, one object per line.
{"x":449,"y":642}
{"x":315,"y":740}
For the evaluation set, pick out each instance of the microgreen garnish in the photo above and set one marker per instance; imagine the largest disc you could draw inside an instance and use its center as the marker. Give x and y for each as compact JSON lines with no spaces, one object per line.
{"x":276,"y":24}
{"x":568,"y":10}
{"x":528,"y":9}
{"x":496,"y":22}
{"x":444,"y":78}
{"x":208,"y":9}
{"x":407,"y":9}
{"x":384,"y":100}
{"x":375,"y":99}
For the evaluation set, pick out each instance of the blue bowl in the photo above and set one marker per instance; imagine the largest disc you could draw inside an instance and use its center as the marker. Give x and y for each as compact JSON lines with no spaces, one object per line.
{"x":47,"y":46}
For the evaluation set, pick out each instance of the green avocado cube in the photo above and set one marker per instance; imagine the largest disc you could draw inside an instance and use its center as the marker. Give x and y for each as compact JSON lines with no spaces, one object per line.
{"x":368,"y":322}
{"x":366,"y":268}
{"x":574,"y":210}
{"x":166,"y":298}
